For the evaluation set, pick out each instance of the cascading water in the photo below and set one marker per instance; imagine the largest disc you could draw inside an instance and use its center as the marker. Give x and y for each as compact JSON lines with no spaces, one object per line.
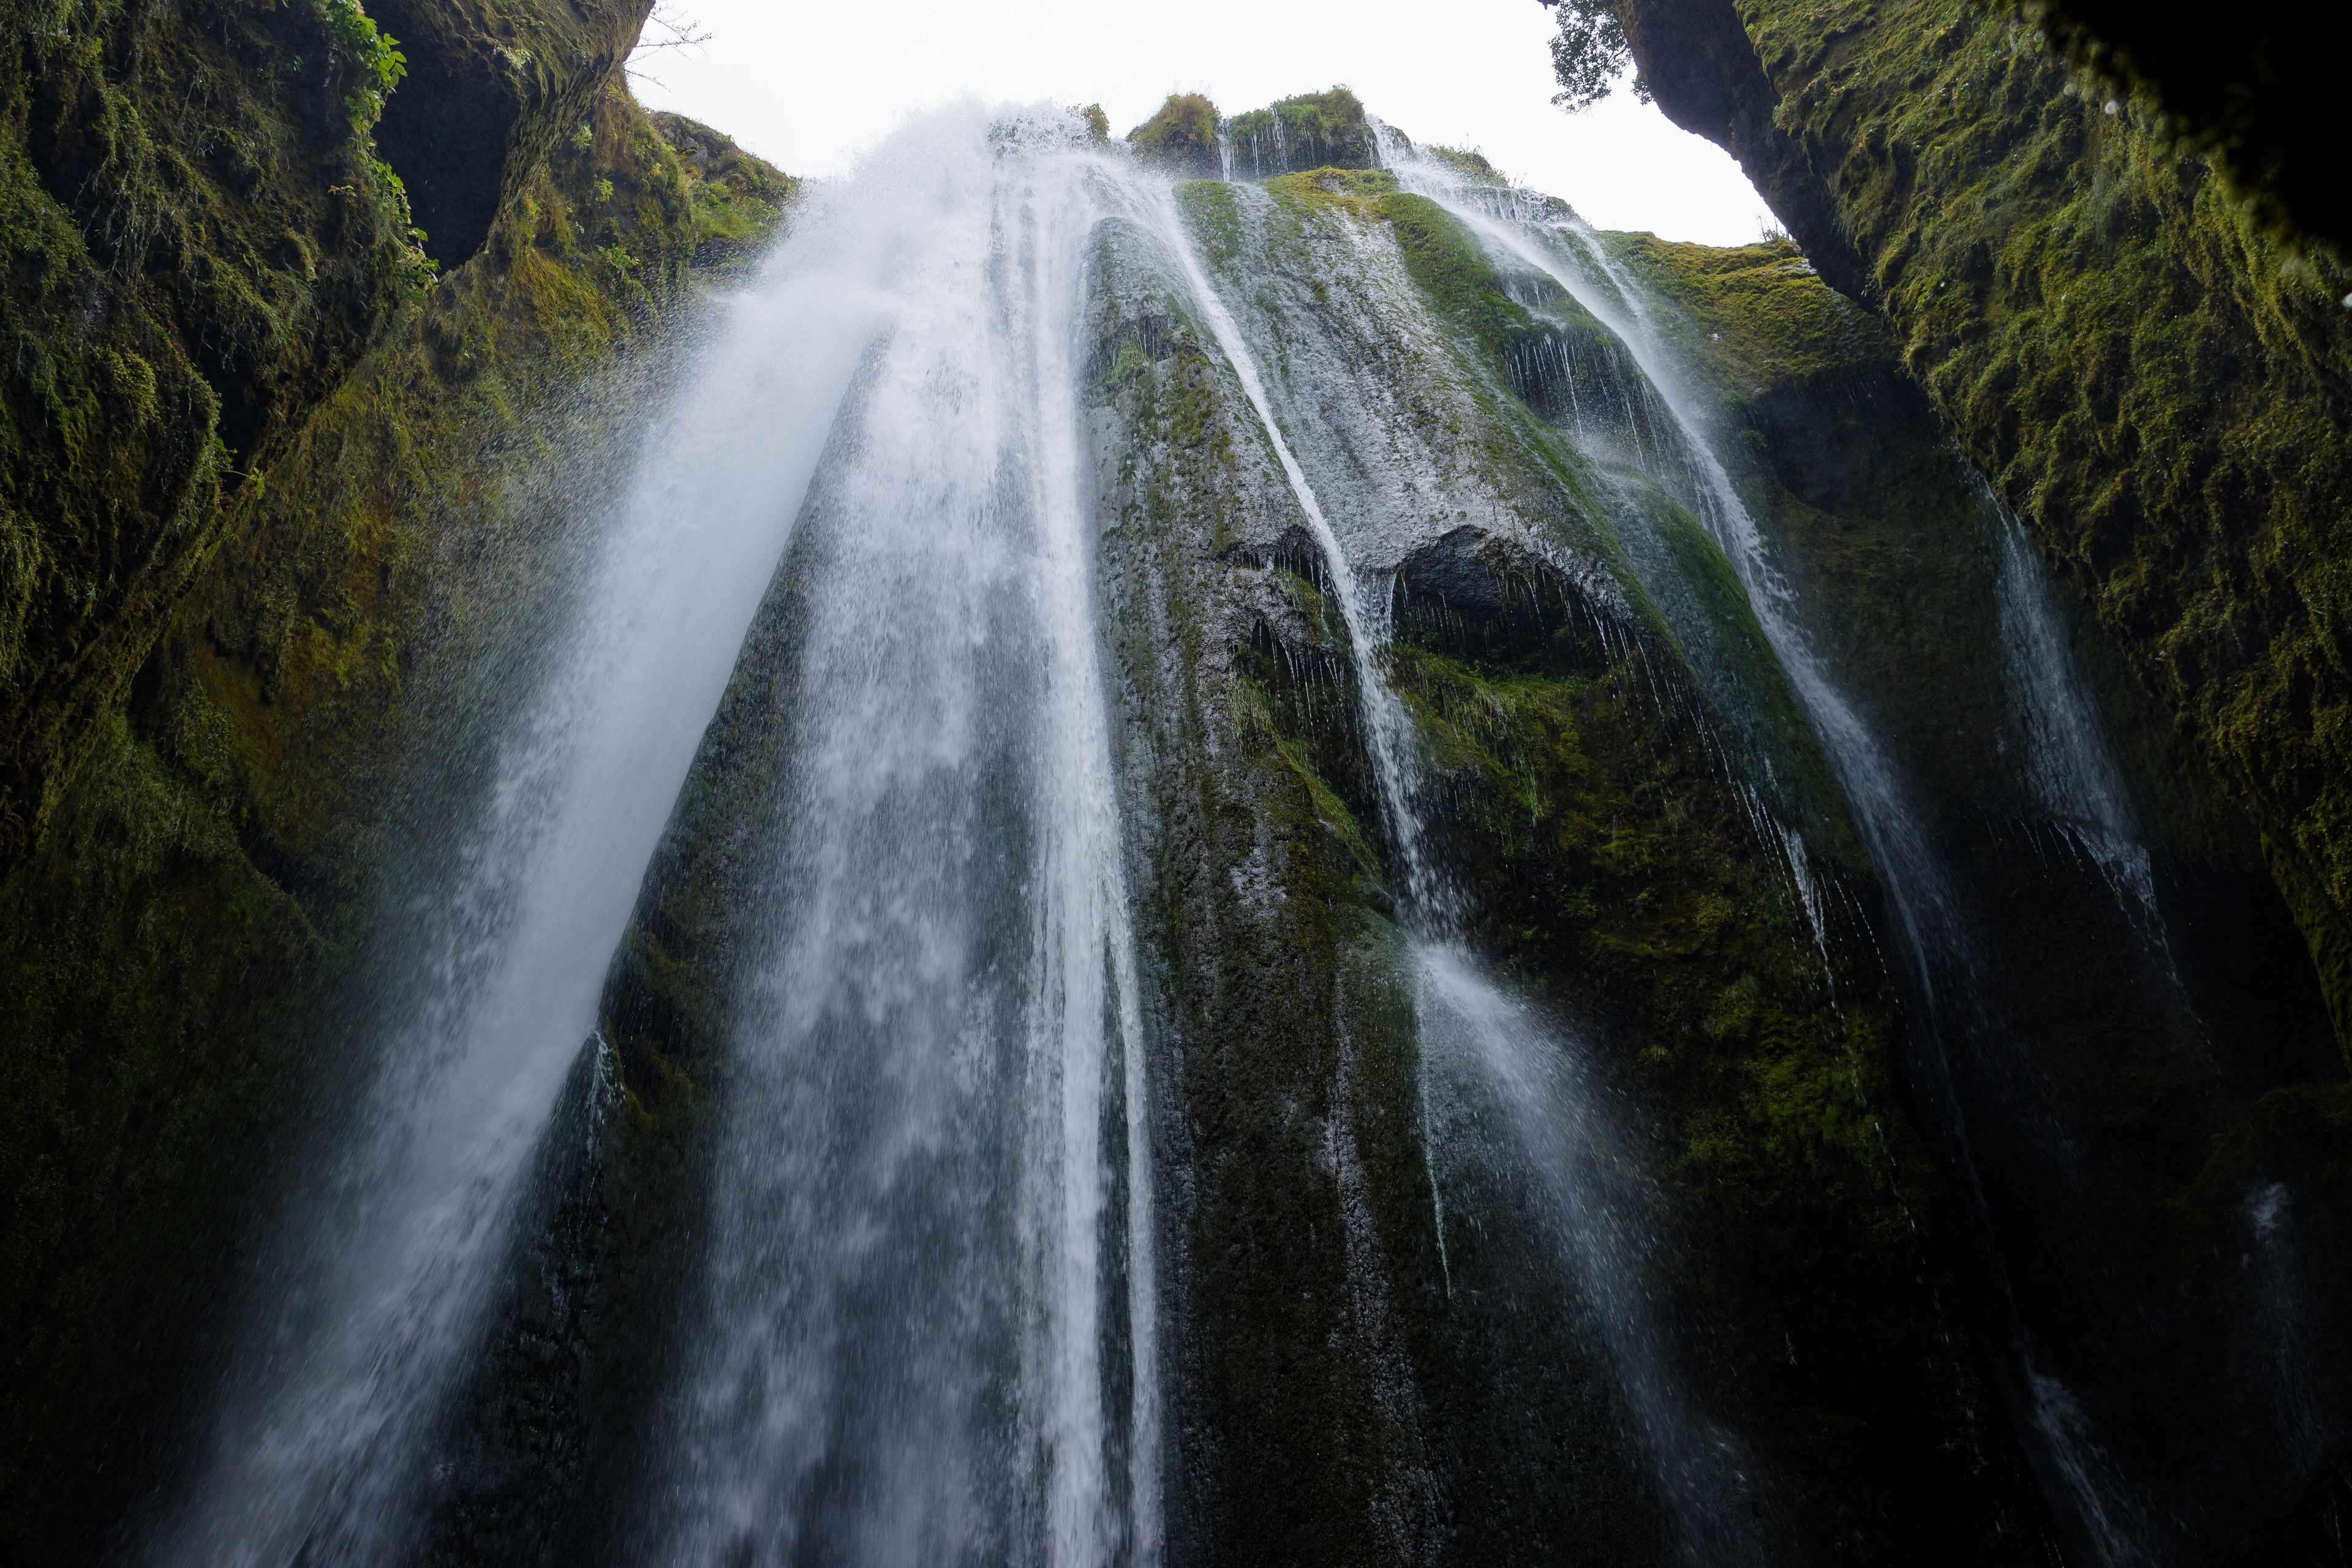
{"x":2067,"y":765}
{"x":917,"y":1315}
{"x":1485,"y":1054}
{"x":912,"y":1328}
{"x":949,"y":501}
{"x":1504,"y":1063}
{"x":372,"y":1298}
{"x":2067,"y":756}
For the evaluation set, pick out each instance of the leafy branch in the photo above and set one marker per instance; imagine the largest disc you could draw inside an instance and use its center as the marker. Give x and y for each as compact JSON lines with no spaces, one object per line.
{"x":1589,"y":55}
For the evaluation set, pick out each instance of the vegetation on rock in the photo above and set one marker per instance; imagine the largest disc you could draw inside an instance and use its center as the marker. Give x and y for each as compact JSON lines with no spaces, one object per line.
{"x":1181,"y":136}
{"x":173,"y":944}
{"x":2254,"y":94}
{"x":737,"y":199}
{"x":492,"y":86}
{"x":1312,"y":130}
{"x":203,"y":242}
{"x":2151,"y":383}
{"x":1912,"y":583}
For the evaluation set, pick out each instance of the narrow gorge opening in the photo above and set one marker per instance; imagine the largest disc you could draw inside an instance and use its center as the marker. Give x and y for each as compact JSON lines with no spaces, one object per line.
{"x":1228,"y":846}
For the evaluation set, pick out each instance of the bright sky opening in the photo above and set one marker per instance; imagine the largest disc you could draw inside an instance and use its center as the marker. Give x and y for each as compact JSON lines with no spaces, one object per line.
{"x":807,"y":86}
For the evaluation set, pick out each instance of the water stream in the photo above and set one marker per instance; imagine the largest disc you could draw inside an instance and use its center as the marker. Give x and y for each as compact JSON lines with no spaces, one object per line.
{"x":372,"y":1297}
{"x":928,"y":1332}
{"x":1484,"y":1051}
{"x":968,"y":1017}
{"x":1945,"y":952}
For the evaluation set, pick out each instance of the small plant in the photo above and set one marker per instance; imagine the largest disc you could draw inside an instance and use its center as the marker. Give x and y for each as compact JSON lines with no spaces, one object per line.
{"x":374,"y":58}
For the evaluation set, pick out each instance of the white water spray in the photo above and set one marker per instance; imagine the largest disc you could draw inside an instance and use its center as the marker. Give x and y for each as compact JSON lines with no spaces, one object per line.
{"x":376,"y":1291}
{"x":334,"y":1411}
{"x":910,"y":1328}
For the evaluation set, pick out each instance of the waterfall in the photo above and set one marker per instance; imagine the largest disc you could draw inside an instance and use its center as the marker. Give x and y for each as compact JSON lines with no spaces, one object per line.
{"x":1942,"y":948}
{"x":905,"y":362}
{"x":1506,"y":1063}
{"x":371,"y":1293}
{"x":917,"y":1308}
{"x":1480,"y":1046}
{"x":2069,"y":763}
{"x":908,"y":1306}
{"x":1386,"y":726}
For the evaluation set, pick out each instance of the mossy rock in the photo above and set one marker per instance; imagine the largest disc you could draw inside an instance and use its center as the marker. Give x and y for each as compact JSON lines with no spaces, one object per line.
{"x":1312,"y":130}
{"x":2152,"y":384}
{"x":738,"y":201}
{"x":177,"y":946}
{"x":1180,"y":137}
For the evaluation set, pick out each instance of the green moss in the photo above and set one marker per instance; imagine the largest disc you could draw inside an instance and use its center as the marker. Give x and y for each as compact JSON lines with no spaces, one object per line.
{"x":1312,"y":130}
{"x":1467,"y":161}
{"x":1357,"y":189}
{"x":213,"y":865}
{"x":1620,"y":875}
{"x":202,"y":243}
{"x":1676,"y":580}
{"x":1765,"y":319}
{"x":1182,"y":136}
{"x":738,"y":201}
{"x":2155,"y":387}
{"x":1213,"y":214}
{"x":1451,"y":268}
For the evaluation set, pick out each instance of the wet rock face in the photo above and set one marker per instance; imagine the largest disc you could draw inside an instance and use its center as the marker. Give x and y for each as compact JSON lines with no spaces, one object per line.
{"x":2115,"y":342}
{"x":194,"y":271}
{"x":209,"y":866}
{"x":2170,"y":1019}
{"x":1472,"y":595}
{"x":200,"y":269}
{"x":490,"y":87}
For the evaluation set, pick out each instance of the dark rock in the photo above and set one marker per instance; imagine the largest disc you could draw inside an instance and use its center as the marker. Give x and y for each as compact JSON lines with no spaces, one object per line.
{"x":489,"y":90}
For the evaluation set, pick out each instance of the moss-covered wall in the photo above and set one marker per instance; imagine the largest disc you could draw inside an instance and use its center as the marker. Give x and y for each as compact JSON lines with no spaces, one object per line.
{"x":1311,"y":130}
{"x":2150,"y":1049}
{"x":490,"y":85}
{"x":205,"y":237}
{"x":2257,"y":93}
{"x":1181,"y":136}
{"x":2154,"y":385}
{"x":202,"y":242}
{"x":1188,"y":136}
{"x":210,"y":868}
{"x":1338,"y":1397}
{"x":1295,"y":1236}
{"x":737,"y":197}
{"x":1609,"y":854}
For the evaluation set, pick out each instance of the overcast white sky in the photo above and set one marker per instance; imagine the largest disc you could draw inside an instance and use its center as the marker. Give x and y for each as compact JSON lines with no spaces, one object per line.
{"x":806,"y":83}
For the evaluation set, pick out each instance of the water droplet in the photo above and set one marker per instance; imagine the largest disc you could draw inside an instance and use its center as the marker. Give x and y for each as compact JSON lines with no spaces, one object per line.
{"x":2114,"y":107}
